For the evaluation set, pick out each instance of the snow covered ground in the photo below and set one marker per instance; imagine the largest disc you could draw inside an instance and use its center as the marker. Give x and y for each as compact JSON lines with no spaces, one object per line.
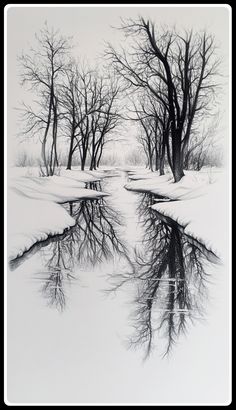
{"x":34,"y":210}
{"x":198,"y":203}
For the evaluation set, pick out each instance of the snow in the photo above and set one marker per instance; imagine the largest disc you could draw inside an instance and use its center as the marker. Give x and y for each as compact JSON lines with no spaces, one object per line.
{"x":34,"y":210}
{"x":144,"y":175}
{"x":97,"y":327}
{"x":58,"y":189}
{"x":33,"y":220}
{"x":198,"y":203}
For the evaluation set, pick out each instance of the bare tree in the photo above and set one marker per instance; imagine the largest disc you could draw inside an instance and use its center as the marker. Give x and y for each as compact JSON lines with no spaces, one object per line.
{"x":184,"y":66}
{"x":202,"y":148}
{"x":107,"y":120}
{"x":147,"y":133}
{"x":90,"y":100}
{"x":90,"y":113}
{"x":80,"y":100}
{"x":153,"y":120}
{"x":42,"y":69}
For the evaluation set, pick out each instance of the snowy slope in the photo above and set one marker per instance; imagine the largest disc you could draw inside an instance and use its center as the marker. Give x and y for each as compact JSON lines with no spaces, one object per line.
{"x":198,"y":203}
{"x":34,"y":210}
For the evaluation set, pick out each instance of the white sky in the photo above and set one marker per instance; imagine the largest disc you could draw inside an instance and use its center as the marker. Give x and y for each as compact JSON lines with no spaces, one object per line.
{"x":91,"y":27}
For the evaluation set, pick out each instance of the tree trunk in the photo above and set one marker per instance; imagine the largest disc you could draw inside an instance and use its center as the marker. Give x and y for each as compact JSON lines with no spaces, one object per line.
{"x":157,"y":159}
{"x":44,"y":158}
{"x":161,"y":170}
{"x":92,"y":162}
{"x":82,"y":164}
{"x":69,"y":162}
{"x":44,"y":154}
{"x":178,"y":170}
{"x":83,"y":159}
{"x":162,"y":158}
{"x":150,"y":160}
{"x":70,"y":155}
{"x":53,"y":155}
{"x":100,"y":156}
{"x":84,"y":155}
{"x":150,"y":164}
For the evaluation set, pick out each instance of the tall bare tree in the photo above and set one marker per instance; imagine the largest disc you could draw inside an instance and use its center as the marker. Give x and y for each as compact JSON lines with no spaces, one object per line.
{"x":42,"y":69}
{"x":107,"y":119}
{"x":184,"y":66}
{"x":90,"y":113}
{"x":153,"y":119}
{"x":80,"y":99}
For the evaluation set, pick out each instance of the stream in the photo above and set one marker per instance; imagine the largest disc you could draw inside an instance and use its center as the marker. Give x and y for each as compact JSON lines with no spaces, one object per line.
{"x":117,"y":301}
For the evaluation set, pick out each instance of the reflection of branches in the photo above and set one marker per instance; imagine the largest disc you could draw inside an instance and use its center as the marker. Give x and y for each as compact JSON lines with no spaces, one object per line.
{"x":59,"y":262}
{"x":94,"y":238}
{"x":171,"y":282}
{"x":96,"y":232}
{"x":96,"y":185}
{"x":170,"y":278}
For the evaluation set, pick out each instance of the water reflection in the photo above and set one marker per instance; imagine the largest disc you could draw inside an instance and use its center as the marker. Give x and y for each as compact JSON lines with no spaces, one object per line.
{"x":168,"y":272}
{"x":95,"y":185}
{"x":57,"y":275}
{"x":96,"y":233}
{"x":93,"y":239}
{"x":170,"y":280}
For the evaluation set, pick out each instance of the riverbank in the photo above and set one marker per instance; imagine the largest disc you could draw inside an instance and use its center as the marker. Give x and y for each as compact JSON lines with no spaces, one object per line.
{"x":34,"y":204}
{"x":100,"y":325}
{"x":198,"y":203}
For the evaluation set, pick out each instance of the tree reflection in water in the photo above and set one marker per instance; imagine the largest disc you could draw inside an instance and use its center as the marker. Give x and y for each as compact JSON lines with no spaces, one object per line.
{"x":170,"y":280}
{"x":93,"y":239}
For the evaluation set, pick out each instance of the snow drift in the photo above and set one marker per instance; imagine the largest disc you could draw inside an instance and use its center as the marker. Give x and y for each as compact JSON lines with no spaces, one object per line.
{"x":34,"y":210}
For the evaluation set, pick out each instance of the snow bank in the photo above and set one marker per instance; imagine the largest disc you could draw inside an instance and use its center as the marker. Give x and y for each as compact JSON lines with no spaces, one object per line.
{"x":30,"y":221}
{"x":58,"y":189}
{"x":198,"y":203}
{"x":146,"y":183}
{"x":133,"y":169}
{"x":75,"y":173}
{"x":34,"y":210}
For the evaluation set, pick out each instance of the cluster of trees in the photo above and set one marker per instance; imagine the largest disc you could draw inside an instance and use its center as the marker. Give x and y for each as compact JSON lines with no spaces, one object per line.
{"x":170,"y":77}
{"x":71,"y":101}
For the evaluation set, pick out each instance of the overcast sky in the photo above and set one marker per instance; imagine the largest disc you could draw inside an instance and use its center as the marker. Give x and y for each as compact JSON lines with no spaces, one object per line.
{"x":91,"y":27}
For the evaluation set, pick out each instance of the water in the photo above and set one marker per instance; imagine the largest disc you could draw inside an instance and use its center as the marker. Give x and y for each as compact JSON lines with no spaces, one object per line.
{"x":123,"y":307}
